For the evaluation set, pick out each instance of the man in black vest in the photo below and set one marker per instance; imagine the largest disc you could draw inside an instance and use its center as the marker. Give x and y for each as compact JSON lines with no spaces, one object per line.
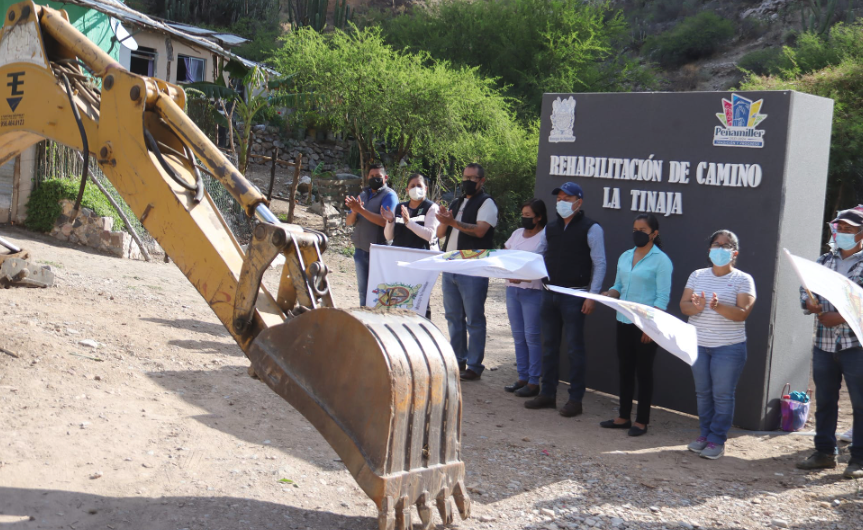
{"x":575,"y":258}
{"x":467,"y":225}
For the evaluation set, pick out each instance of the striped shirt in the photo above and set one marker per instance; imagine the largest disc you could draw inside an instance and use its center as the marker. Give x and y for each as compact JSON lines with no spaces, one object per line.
{"x":715,"y":330}
{"x":839,"y":337}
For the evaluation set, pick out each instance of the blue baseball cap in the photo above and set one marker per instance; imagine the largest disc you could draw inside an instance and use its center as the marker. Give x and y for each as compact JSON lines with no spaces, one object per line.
{"x":570,"y":188}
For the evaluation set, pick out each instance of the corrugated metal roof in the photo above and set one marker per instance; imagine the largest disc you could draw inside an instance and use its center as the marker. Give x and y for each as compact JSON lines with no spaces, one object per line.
{"x":130,"y":17}
{"x":229,"y":39}
{"x":194,"y":30}
{"x":135,"y":18}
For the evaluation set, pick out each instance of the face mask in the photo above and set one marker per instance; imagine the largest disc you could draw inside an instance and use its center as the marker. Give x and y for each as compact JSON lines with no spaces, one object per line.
{"x":564,"y":209}
{"x":846,"y":241}
{"x":417,"y":193}
{"x":721,"y":256}
{"x":640,"y":238}
{"x":376,"y":183}
{"x":469,"y":187}
{"x":528,"y":223}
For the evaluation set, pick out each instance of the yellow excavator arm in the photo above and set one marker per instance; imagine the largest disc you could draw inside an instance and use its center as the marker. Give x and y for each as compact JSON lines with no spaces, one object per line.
{"x":382,"y":389}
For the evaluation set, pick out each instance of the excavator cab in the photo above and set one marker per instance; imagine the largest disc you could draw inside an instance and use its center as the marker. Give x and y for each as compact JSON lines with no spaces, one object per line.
{"x":381,"y":388}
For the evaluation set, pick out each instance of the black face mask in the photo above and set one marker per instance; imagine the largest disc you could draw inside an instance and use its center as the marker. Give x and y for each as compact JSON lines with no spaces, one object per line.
{"x":376,"y":183}
{"x":469,"y":187}
{"x":640,"y":238}
{"x":528,"y":223}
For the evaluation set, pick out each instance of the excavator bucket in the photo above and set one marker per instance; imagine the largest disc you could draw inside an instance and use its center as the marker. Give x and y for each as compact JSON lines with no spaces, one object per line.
{"x":383,"y":390}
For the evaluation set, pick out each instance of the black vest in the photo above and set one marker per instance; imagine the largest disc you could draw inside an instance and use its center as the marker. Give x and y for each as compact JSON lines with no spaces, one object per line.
{"x":468,"y":216}
{"x":567,"y":258}
{"x":404,"y":236}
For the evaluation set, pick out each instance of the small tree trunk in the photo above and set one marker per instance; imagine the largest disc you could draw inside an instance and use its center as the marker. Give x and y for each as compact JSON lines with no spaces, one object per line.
{"x":292,"y":197}
{"x":273,"y":173}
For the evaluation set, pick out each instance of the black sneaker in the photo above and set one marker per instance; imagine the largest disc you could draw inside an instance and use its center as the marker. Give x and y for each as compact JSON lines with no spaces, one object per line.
{"x":515,"y":386}
{"x":469,"y":375}
{"x":527,"y":391}
{"x":571,"y":409}
{"x":541,"y":402}
{"x":818,"y":460}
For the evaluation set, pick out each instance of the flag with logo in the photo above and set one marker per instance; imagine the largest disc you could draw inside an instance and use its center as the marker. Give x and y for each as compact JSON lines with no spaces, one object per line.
{"x":674,"y":335}
{"x":845,"y":295}
{"x":494,"y":263}
{"x":392,"y":286}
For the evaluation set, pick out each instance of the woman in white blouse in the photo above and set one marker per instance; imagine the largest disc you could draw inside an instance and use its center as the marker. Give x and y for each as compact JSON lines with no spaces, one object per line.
{"x":523,"y":300}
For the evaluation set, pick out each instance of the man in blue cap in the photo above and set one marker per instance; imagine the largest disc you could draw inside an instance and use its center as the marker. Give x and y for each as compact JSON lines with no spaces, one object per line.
{"x":575,"y":258}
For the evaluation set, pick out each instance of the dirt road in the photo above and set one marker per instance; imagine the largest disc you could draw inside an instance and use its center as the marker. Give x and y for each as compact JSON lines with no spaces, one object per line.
{"x":159,"y":427}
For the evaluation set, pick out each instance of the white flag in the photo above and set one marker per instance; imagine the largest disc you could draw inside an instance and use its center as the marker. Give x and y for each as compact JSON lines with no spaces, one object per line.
{"x":507,"y":264}
{"x":845,"y":295}
{"x":674,"y":335}
{"x":391,"y":286}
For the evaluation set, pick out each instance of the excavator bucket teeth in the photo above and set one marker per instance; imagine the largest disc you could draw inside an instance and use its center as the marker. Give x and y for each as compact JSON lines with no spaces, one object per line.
{"x":383,"y":390}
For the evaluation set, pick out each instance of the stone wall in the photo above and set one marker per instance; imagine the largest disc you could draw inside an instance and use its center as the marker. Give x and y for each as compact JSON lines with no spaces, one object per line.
{"x":90,"y":230}
{"x":333,"y":154}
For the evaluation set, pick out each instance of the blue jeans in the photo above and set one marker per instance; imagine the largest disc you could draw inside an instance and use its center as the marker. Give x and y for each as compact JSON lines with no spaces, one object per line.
{"x":464,"y":308}
{"x":562,"y":313}
{"x":361,"y":262}
{"x":523,"y":306}
{"x":827,"y":371}
{"x":716,"y":372}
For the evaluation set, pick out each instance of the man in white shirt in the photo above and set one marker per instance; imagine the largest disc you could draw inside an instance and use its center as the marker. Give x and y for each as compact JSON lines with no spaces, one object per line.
{"x":467,"y":225}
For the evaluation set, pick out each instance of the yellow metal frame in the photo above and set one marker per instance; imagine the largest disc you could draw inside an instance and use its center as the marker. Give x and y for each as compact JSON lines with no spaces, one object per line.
{"x":383,"y":390}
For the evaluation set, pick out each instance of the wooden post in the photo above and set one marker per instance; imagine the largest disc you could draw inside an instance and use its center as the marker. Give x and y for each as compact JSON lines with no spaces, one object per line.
{"x":297,"y":164}
{"x":16,"y":193}
{"x":273,"y":173}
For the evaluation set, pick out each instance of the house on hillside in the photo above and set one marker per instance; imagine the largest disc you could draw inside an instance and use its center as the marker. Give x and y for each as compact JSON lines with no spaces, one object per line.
{"x":175,"y":52}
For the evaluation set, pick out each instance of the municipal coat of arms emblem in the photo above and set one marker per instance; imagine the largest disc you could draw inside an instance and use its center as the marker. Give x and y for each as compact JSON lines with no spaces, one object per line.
{"x":562,"y":120}
{"x":395,"y":295}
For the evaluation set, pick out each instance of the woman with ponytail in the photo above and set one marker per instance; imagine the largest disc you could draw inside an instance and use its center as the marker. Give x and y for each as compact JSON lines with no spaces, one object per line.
{"x":643,"y":276}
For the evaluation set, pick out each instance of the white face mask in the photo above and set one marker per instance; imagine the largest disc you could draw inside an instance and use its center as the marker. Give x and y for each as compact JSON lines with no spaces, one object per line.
{"x":417,"y":193}
{"x":565,"y":209}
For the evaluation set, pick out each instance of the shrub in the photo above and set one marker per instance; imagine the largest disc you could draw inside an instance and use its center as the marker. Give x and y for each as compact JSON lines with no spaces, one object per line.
{"x":814,"y":52}
{"x":692,"y":39}
{"x":843,"y":83}
{"x":528,"y":46}
{"x":762,"y":62}
{"x":43,"y":208}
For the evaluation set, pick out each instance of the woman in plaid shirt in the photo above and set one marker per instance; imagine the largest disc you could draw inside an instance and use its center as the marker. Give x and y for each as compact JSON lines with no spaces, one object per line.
{"x":837,"y":352}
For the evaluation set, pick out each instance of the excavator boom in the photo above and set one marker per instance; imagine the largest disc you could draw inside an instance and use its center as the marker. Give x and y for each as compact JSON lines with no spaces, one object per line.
{"x":381,"y":388}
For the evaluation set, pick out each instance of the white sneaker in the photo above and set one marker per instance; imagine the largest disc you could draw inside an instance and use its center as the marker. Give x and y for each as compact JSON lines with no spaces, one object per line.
{"x":846,"y":436}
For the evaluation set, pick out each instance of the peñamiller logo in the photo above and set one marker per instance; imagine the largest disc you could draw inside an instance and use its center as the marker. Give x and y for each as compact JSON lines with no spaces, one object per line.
{"x":739,"y":119}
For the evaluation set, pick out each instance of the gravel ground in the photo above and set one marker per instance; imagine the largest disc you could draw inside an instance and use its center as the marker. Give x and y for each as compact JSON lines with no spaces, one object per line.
{"x":159,"y":427}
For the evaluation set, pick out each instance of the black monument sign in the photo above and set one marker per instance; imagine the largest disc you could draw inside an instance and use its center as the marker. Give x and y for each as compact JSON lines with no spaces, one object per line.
{"x":751,"y":162}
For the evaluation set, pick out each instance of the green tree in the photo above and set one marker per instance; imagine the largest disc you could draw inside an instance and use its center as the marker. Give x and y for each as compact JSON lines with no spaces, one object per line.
{"x":245,"y":106}
{"x":429,"y":114}
{"x":844,"y":84}
{"x":420,"y":108}
{"x":695,"y":37}
{"x":529,"y":46}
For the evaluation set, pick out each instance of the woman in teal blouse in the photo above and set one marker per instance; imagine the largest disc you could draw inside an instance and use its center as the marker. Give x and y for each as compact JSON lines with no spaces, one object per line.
{"x":643,"y":276}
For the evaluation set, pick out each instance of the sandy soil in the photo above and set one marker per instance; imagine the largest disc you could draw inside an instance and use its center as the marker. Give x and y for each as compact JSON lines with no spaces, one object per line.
{"x":159,"y":427}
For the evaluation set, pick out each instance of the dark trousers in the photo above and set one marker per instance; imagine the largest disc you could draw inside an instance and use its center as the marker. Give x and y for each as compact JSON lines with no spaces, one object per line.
{"x":827,"y":371}
{"x":635,"y":361}
{"x":561,"y":313}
